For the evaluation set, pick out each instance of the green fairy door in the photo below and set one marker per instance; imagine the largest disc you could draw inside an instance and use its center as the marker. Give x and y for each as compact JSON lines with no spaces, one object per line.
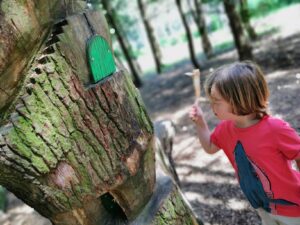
{"x":100,"y":58}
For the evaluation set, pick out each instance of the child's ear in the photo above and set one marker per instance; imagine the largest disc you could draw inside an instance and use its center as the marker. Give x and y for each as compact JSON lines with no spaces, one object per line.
{"x":233,"y":109}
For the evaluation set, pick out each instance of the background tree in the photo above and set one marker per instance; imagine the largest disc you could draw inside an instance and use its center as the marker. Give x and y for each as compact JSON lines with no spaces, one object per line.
{"x":188,"y":34}
{"x":200,"y":22}
{"x":241,"y":41}
{"x":245,"y":15}
{"x":151,"y":37}
{"x":3,"y":199}
{"x":112,"y":18}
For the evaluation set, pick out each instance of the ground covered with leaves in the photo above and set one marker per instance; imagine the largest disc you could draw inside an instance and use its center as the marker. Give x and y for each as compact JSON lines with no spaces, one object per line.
{"x":208,"y":181}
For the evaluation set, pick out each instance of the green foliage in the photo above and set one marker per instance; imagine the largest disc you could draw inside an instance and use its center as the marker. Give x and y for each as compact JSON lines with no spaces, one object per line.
{"x":196,"y":34}
{"x":167,"y":42}
{"x":215,"y":24}
{"x":258,"y":8}
{"x":173,"y":41}
{"x":212,"y":1}
{"x":163,"y":42}
{"x":183,"y":38}
{"x":224,"y":46}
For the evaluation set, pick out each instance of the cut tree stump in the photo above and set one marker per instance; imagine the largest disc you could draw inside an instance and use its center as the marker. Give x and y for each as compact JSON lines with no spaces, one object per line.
{"x":78,"y":152}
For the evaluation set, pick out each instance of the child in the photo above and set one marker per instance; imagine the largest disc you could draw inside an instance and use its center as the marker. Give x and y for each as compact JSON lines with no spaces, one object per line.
{"x":259,"y":146}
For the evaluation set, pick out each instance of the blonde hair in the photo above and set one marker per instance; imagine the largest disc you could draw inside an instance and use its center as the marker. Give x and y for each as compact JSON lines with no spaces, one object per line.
{"x":243,"y":86}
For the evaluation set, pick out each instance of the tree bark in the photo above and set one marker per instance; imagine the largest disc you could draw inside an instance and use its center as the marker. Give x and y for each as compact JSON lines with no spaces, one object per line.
{"x":245,"y":15}
{"x":167,"y":205}
{"x":3,"y":199}
{"x":79,"y":153}
{"x":65,"y":146}
{"x":200,"y":22}
{"x":242,"y":43}
{"x":188,"y":34}
{"x":151,"y":37}
{"x":20,"y":37}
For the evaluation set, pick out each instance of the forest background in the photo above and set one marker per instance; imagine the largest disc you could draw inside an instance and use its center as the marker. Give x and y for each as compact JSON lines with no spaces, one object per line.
{"x":158,"y":41}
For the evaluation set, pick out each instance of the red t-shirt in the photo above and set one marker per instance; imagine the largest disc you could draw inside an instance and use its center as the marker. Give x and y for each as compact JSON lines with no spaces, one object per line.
{"x":261,"y":156}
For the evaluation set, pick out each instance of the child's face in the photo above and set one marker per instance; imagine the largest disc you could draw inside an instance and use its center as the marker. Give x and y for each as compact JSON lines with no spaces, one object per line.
{"x":220,"y":107}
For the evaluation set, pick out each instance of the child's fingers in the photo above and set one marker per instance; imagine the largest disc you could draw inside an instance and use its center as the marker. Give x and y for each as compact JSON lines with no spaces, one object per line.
{"x":193,"y":112}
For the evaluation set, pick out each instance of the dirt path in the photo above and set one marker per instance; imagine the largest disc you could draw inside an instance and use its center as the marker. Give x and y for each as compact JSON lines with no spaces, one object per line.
{"x":208,"y":180}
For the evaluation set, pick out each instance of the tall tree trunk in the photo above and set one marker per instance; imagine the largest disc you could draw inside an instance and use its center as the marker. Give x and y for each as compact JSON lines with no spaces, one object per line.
{"x":200,"y":22}
{"x":241,"y":41}
{"x":123,"y":41}
{"x":77,"y":151}
{"x":245,"y":15}
{"x":3,"y":199}
{"x":151,"y":37}
{"x":188,"y":34}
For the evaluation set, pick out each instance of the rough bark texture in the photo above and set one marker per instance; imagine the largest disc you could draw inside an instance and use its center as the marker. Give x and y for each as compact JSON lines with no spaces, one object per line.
{"x":24,"y":26}
{"x":200,"y":21}
{"x":188,"y":34}
{"x":241,"y":41}
{"x":80,"y":153}
{"x":167,"y":205}
{"x":152,"y":40}
{"x":245,"y":15}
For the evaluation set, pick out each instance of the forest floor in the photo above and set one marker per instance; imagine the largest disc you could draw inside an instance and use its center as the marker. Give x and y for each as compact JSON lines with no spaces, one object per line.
{"x":208,"y":181}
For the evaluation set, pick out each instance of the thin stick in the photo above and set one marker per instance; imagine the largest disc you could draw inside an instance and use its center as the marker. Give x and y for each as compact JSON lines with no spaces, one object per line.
{"x":195,"y":75}
{"x":196,"y":82}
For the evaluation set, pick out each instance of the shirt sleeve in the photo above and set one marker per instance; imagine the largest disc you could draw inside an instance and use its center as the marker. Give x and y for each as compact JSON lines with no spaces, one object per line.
{"x":216,"y":135}
{"x":288,"y":141}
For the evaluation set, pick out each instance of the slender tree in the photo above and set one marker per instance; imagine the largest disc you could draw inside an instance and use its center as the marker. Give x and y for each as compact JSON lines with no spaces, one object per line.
{"x":245,"y":15}
{"x":151,"y":37}
{"x":3,"y":199}
{"x":112,"y":19}
{"x":188,"y":34}
{"x":241,"y":40}
{"x":200,"y":22}
{"x":76,"y":143}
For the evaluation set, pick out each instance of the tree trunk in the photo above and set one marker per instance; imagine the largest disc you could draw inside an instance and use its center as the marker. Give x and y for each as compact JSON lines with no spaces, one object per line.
{"x":245,"y":15}
{"x":200,"y":22}
{"x":79,"y":152}
{"x":241,"y":41}
{"x":65,"y":149}
{"x":20,"y":37}
{"x":151,"y":37}
{"x":167,"y":205}
{"x":3,"y":199}
{"x":188,"y":34}
{"x":123,"y":41}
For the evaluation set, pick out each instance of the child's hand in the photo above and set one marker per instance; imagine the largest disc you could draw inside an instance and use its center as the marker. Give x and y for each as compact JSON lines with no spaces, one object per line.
{"x":196,"y":113}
